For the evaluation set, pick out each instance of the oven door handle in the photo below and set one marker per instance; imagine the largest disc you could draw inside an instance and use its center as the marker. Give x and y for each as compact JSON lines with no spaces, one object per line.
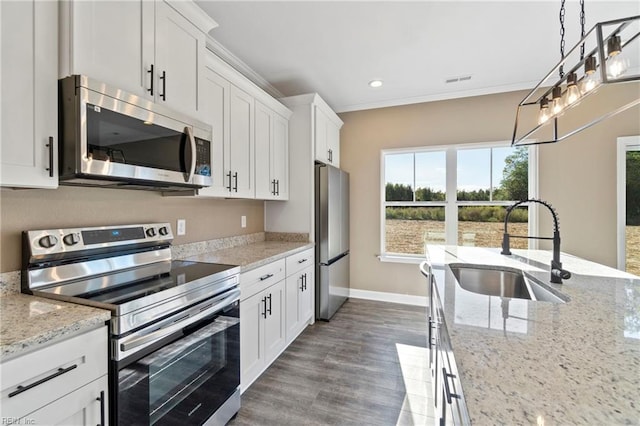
{"x":192,"y":144}
{"x":182,"y":319}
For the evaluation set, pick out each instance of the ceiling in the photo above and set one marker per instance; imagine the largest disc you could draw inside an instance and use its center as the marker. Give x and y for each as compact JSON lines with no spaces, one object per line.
{"x":336,"y":47}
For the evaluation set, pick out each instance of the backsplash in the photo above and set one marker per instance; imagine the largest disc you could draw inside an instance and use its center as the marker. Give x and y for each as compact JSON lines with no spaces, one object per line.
{"x":9,"y":282}
{"x":191,"y":249}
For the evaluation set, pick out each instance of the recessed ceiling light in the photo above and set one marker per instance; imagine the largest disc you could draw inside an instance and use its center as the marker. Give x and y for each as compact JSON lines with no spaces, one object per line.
{"x":375,"y":83}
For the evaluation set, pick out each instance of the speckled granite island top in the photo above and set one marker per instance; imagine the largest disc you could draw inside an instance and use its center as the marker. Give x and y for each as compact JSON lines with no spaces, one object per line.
{"x":26,"y":322}
{"x":253,"y":255}
{"x":526,"y":362}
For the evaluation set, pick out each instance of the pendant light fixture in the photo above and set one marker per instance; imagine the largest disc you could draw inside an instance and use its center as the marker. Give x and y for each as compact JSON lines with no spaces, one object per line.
{"x":612,"y":57}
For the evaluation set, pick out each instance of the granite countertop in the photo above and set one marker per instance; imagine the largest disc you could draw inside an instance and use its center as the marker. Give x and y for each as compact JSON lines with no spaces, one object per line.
{"x":526,"y":362}
{"x":26,"y":322}
{"x":253,"y":255}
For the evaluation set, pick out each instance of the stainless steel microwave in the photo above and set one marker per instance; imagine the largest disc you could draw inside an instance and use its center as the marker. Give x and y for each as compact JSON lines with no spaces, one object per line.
{"x":112,"y":138}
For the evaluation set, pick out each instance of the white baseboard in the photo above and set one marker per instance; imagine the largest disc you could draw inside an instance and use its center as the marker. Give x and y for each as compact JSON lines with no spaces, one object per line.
{"x":405,"y":299}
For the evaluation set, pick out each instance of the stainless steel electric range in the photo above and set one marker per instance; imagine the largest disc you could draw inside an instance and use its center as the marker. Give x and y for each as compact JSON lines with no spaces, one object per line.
{"x":175,"y":325}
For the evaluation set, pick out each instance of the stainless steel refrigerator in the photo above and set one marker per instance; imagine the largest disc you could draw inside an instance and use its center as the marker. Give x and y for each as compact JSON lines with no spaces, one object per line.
{"x":332,"y":240}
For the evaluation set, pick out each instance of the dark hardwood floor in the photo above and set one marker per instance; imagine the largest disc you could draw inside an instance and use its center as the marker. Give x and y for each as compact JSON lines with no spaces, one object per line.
{"x":367,"y":366}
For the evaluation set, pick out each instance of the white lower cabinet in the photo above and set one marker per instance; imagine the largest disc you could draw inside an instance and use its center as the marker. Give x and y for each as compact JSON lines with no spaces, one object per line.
{"x":262,"y":331}
{"x":64,"y":383}
{"x":300,"y":286}
{"x":274,"y":310}
{"x":84,"y":406}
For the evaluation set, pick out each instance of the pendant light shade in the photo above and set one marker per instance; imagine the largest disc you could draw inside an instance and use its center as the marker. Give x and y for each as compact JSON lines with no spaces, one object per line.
{"x":573,"y":93}
{"x":544,"y":113}
{"x":617,"y":63}
{"x":591,"y":78}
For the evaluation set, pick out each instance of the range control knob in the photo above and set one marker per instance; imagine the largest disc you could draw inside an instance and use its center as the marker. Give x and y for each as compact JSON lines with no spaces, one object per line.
{"x":164,"y":231}
{"x":71,"y":239}
{"x":48,"y":241}
{"x":151,"y":232}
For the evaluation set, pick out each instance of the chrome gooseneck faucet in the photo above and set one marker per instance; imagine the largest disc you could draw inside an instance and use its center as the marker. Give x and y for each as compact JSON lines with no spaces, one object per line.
{"x":557,"y":273}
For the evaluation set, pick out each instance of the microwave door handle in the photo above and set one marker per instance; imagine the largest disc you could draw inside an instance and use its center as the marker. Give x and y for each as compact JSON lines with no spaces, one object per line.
{"x":192,"y":142}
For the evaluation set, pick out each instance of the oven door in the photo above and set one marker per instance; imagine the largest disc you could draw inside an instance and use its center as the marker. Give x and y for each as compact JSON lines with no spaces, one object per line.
{"x":185,"y":377}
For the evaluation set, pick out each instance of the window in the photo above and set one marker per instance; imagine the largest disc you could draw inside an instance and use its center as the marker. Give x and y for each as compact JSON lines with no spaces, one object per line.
{"x":414,"y":200}
{"x":453,"y":195}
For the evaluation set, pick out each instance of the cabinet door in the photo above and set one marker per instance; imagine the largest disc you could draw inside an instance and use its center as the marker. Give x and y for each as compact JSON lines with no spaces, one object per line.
{"x":265,"y":181}
{"x":85,"y":406}
{"x":305,"y":299}
{"x":274,"y":324}
{"x":215,"y":96}
{"x":293,"y":290}
{"x":242,"y":144}
{"x":280,"y":156}
{"x":29,"y":87}
{"x":110,"y":41}
{"x":180,"y":50}
{"x":333,"y":144}
{"x":321,"y":135}
{"x":252,"y":357}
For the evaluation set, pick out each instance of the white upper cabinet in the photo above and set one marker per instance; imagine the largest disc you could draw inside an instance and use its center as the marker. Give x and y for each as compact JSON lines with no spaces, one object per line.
{"x":180,"y":49}
{"x":91,"y":45}
{"x":144,"y":47}
{"x":250,"y":136}
{"x":215,"y":94}
{"x":272,"y":154}
{"x":29,"y":94}
{"x":327,"y":135}
{"x":242,"y":144}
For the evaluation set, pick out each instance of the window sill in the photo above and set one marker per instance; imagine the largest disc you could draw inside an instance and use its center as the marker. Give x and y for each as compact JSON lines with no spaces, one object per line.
{"x":416,"y":260}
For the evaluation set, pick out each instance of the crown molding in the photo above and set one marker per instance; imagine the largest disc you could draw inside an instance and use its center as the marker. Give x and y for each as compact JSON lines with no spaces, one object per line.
{"x":194,"y":14}
{"x":223,"y":53}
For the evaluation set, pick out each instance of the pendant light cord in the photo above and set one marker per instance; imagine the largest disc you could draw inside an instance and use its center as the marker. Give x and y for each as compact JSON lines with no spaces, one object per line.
{"x":582,"y":22}
{"x":562,"y":12}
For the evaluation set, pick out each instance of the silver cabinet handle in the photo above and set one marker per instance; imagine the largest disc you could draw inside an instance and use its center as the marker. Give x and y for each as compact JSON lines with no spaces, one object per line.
{"x":302,"y":260}
{"x":192,"y":143}
{"x":264,"y":277}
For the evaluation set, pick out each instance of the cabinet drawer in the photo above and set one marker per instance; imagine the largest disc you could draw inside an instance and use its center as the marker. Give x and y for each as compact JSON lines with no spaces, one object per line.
{"x":254,"y":281}
{"x":299,"y":261}
{"x":52,"y":372}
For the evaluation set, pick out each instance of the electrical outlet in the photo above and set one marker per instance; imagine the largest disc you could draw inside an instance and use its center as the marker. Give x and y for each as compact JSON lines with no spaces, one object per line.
{"x":243,"y":221}
{"x":182,"y":226}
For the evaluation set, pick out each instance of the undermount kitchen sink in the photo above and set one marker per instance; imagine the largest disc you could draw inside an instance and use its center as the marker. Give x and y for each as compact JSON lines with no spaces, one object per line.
{"x":503,"y":282}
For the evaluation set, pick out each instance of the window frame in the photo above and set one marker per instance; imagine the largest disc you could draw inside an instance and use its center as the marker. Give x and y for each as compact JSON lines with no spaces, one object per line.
{"x":451,"y":202}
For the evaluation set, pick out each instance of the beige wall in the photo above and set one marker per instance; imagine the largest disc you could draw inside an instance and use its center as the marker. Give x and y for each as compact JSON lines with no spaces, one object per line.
{"x":577,"y":176}
{"x":29,"y":209}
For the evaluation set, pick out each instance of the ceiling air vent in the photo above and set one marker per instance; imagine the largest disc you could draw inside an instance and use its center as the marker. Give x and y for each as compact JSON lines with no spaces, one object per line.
{"x":457,"y":79}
